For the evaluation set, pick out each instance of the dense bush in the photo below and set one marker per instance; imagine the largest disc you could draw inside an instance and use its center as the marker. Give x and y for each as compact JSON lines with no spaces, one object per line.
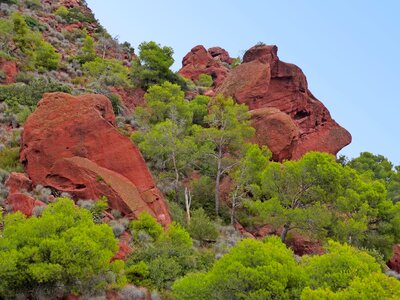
{"x":201,"y":228}
{"x":109,"y":72}
{"x":251,"y":270}
{"x":159,"y":262}
{"x":19,"y":94}
{"x":9,"y":160}
{"x":63,"y":251}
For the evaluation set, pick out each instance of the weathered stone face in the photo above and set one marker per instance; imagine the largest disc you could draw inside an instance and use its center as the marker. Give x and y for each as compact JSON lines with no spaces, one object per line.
{"x":71,"y":144}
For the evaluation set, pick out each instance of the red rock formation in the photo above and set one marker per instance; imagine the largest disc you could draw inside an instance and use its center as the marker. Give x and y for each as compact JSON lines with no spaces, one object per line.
{"x":299,"y":123}
{"x":394,"y":262}
{"x":17,"y":182}
{"x":10,"y":70}
{"x":220,"y":54}
{"x":23,"y":203}
{"x":199,"y":61}
{"x":71,"y":144}
{"x":130,"y":98}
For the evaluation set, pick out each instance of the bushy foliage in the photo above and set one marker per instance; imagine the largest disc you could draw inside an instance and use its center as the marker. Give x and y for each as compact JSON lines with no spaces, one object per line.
{"x":379,"y":167}
{"x":373,"y":286}
{"x":251,"y":270}
{"x":73,"y":15}
{"x":321,"y":198}
{"x":158,"y":263}
{"x":109,"y":72}
{"x":9,"y":160}
{"x":201,"y":228}
{"x":152,"y":66}
{"x":145,"y":222}
{"x":19,"y":94}
{"x":339,"y":267}
{"x":38,"y":53}
{"x":62,"y":250}
{"x":205,"y":80}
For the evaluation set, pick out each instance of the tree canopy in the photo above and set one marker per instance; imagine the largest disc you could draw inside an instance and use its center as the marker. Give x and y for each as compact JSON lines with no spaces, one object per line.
{"x":61,"y":251}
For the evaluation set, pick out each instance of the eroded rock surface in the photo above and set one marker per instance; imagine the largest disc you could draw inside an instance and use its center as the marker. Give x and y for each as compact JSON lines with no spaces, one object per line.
{"x":200,"y":61}
{"x":286,"y":115}
{"x":71,"y":144}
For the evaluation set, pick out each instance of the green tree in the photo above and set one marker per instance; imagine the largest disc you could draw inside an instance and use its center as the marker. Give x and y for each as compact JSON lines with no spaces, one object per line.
{"x":374,"y":286}
{"x":159,"y":263}
{"x":227,"y":132}
{"x":63,"y":250}
{"x":380,"y":168}
{"x":169,"y":150}
{"x":87,"y":52}
{"x":152,"y":66}
{"x":201,"y":228}
{"x":298,"y":191}
{"x":109,"y":72}
{"x":250,"y":270}
{"x":246,"y":176}
{"x":164,"y":101}
{"x":45,"y":57}
{"x":339,"y":266}
{"x":165,"y":135}
{"x":6,"y":34}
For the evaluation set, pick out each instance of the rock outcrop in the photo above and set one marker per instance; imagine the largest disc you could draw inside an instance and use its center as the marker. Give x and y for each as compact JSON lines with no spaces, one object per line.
{"x":286,"y":115}
{"x":394,"y":262}
{"x":23,"y":203}
{"x":200,"y":61}
{"x":71,"y":144}
{"x":18,"y":182}
{"x":9,"y":71}
{"x":299,"y":123}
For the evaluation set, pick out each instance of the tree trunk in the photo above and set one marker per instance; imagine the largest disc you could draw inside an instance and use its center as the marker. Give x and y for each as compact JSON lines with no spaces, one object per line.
{"x":217,"y":181}
{"x":188,"y":203}
{"x":285,"y":231}
{"x":233,"y":209}
{"x":176,"y":181}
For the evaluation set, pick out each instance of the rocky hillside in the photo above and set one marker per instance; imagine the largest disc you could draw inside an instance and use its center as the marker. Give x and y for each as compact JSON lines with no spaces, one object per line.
{"x":120,"y":179}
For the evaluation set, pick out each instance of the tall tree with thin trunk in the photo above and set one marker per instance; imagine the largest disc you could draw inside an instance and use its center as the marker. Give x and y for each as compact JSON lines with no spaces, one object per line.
{"x":227,"y":132}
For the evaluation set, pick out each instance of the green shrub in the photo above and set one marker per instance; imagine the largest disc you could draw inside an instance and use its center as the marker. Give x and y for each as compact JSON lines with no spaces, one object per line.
{"x":109,"y":72}
{"x":205,"y":80}
{"x":201,"y":227}
{"x":251,"y":270}
{"x":115,"y":102}
{"x":74,"y":15}
{"x":339,"y":266}
{"x":9,"y":160}
{"x":45,"y":57}
{"x":62,"y":251}
{"x":19,"y":94}
{"x":146,"y":223}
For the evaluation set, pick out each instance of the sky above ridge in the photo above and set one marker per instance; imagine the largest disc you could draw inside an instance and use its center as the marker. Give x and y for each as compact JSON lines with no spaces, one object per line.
{"x":349,"y":50}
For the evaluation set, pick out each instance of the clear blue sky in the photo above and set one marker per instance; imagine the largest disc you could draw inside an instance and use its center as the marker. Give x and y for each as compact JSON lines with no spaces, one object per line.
{"x":348,"y":49}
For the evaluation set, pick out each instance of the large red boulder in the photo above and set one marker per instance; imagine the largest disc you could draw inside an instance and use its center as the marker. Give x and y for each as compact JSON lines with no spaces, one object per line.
{"x":71,"y":144}
{"x":23,"y":203}
{"x":18,"y":182}
{"x":394,"y":262}
{"x":263,"y":81}
{"x":10,"y":71}
{"x":199,"y":61}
